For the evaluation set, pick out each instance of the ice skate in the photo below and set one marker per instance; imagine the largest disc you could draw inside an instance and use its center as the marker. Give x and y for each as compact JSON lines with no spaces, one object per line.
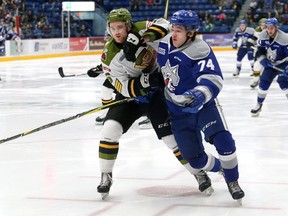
{"x":236,"y":74}
{"x":145,"y":124}
{"x":256,"y":111}
{"x":254,"y":84}
{"x":204,"y":183}
{"x":100,"y":119}
{"x":236,"y":192}
{"x":221,"y":172}
{"x":105,"y":184}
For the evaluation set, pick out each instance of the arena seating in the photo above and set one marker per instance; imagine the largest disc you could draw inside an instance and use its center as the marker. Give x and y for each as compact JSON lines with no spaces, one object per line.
{"x":216,"y":16}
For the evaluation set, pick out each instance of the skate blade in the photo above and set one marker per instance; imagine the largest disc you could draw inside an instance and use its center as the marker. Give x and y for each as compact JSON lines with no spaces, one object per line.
{"x":209,"y":191}
{"x":239,"y":201}
{"x":255,"y":115}
{"x":98,"y":123}
{"x":104,"y":195}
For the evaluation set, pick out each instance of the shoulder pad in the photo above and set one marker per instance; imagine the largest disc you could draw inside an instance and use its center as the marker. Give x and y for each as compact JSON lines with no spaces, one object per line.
{"x":198,"y":49}
{"x":282,"y":38}
{"x":250,"y":30}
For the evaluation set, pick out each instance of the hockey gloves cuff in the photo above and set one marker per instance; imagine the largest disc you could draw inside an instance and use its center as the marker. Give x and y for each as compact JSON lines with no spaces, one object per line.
{"x":133,"y":42}
{"x":197,"y":100}
{"x":266,"y":63}
{"x":96,"y":71}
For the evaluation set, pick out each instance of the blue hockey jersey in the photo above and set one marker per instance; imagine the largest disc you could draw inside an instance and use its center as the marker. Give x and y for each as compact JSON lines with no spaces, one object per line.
{"x":193,"y":65}
{"x":276,"y":49}
{"x":242,"y":37}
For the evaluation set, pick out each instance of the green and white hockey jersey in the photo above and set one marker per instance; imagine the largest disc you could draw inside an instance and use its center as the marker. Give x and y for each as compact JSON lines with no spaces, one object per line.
{"x":119,"y":71}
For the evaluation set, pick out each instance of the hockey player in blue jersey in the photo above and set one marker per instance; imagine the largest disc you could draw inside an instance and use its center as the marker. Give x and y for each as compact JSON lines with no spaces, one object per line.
{"x":272,"y":53}
{"x":6,"y":34}
{"x":193,"y":79}
{"x":241,"y":36}
{"x":126,"y":65}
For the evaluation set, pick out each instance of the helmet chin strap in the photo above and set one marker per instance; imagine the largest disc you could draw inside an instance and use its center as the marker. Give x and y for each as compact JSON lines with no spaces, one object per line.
{"x":189,"y":37}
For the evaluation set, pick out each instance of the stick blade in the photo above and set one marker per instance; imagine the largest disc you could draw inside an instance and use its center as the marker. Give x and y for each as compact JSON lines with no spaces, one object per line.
{"x":61,"y":73}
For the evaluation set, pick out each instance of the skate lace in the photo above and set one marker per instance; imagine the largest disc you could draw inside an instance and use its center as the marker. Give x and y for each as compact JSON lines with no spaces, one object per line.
{"x":234,"y":186}
{"x":257,"y":107}
{"x":106,"y":180}
{"x":201,"y":177}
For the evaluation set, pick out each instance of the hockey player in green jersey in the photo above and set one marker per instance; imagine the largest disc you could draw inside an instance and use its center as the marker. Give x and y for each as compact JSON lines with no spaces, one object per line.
{"x":136,"y":75}
{"x":258,"y":68}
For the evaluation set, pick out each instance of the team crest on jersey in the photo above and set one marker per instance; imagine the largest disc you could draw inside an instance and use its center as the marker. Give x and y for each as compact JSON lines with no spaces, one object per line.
{"x":104,"y":55}
{"x":271,"y":54}
{"x":170,"y":75}
{"x":146,"y":58}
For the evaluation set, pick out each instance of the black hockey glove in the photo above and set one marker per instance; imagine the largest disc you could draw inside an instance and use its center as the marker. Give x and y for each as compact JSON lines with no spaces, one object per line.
{"x":156,"y":80}
{"x":96,"y":71}
{"x":145,"y":83}
{"x":249,"y":44}
{"x":153,"y":80}
{"x":133,"y":42}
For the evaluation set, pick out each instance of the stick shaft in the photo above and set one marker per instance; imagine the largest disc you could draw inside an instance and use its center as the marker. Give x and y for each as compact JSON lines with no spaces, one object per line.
{"x":166,"y":9}
{"x":115,"y":103}
{"x":279,"y":69}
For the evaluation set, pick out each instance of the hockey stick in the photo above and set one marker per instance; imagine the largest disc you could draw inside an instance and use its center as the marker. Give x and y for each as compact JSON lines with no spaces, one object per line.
{"x":166,"y":9}
{"x":115,"y":103}
{"x":278,"y":69}
{"x":271,"y":66}
{"x":61,"y":73}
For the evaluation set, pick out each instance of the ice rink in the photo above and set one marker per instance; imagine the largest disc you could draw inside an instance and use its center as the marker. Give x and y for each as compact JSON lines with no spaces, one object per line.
{"x":55,"y":172}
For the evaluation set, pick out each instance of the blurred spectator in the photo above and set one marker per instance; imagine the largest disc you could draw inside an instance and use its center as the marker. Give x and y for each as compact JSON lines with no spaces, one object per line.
{"x":253,"y":5}
{"x":27,"y":31}
{"x":221,"y":17}
{"x":149,"y":3}
{"x":208,"y":26}
{"x":99,"y":2}
{"x":83,"y":31}
{"x":30,"y":16}
{"x":135,"y":4}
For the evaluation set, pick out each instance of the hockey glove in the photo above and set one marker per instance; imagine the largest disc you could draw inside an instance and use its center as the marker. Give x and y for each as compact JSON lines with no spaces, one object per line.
{"x":145,"y":84}
{"x":263,"y":43}
{"x":145,"y":98}
{"x":96,"y":71}
{"x":285,"y":72}
{"x":133,"y":42}
{"x":266,"y":63}
{"x":250,"y":43}
{"x":142,"y":99}
{"x":197,"y":100}
{"x":234,"y":45}
{"x":156,"y":80}
{"x":153,"y":80}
